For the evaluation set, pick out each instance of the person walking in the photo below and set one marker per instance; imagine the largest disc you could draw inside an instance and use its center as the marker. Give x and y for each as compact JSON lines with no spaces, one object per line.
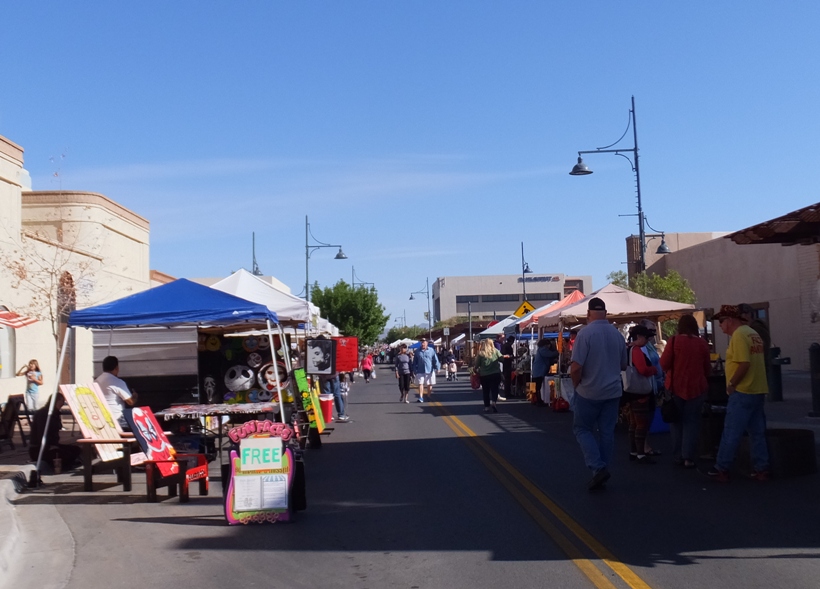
{"x":508,"y":351}
{"x":404,"y":373}
{"x":598,"y":357}
{"x":747,"y":387}
{"x":640,"y":405}
{"x":545,"y":356}
{"x":487,"y":365}
{"x":686,"y":361}
{"x":34,"y":380}
{"x":425,"y":366}
{"x":367,"y":366}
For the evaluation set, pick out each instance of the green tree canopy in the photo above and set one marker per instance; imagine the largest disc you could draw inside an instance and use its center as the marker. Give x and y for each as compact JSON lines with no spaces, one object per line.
{"x":397,"y":333}
{"x":355,"y":311}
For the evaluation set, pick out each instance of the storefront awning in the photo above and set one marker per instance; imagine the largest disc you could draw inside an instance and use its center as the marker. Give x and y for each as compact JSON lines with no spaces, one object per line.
{"x":15,"y":321}
{"x":801,"y":227}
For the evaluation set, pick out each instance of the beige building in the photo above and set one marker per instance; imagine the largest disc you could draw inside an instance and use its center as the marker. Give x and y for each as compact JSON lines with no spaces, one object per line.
{"x":782,"y":283}
{"x":60,"y":250}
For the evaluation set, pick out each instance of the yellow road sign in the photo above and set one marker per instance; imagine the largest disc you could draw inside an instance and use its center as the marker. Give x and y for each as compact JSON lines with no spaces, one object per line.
{"x":525,"y":308}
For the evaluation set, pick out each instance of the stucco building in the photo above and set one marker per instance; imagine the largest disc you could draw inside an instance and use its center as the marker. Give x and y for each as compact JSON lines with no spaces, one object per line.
{"x":60,"y":250}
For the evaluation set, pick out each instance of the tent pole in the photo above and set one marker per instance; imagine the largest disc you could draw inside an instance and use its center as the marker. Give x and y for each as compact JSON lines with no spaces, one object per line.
{"x":34,"y":477}
{"x":110,"y":338}
{"x":286,"y":352}
{"x":279,"y":390}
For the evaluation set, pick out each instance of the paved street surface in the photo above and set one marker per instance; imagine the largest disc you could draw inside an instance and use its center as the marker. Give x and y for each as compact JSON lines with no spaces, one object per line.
{"x":439,"y":495}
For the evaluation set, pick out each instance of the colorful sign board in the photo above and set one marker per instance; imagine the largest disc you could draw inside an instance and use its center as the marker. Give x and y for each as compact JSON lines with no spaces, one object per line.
{"x":310,"y":400}
{"x":347,"y":354}
{"x":88,"y":405}
{"x":152,"y":439}
{"x":523,"y":309}
{"x":261,"y":473}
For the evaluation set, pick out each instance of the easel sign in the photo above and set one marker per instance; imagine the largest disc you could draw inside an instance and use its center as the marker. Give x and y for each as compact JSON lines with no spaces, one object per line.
{"x":261,"y":474}
{"x":310,"y":400}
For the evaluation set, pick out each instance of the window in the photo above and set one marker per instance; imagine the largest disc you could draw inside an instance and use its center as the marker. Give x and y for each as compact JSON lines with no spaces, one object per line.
{"x":467,"y":299}
{"x":544,"y":296}
{"x":502,"y":298}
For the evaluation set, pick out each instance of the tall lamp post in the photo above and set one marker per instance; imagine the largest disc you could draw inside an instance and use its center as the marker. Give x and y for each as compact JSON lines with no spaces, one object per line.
{"x":309,"y":249}
{"x":426,"y":291}
{"x":354,"y":282}
{"x":581,"y":169}
{"x":525,"y":269}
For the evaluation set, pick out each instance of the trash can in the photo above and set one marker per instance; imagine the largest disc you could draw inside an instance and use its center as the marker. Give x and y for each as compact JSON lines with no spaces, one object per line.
{"x":326,"y":403}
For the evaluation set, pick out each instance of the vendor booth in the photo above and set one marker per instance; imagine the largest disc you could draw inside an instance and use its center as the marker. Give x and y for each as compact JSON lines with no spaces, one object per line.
{"x":242,"y":370}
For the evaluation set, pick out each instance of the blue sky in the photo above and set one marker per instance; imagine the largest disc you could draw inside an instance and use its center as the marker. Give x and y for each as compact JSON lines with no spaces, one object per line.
{"x":428,"y":138}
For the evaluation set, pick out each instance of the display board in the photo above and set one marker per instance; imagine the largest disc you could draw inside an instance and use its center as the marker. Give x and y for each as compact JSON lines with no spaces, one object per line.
{"x":310,"y":400}
{"x":260,"y":474}
{"x":236,"y":370}
{"x":151,"y":438}
{"x":88,"y":405}
{"x":320,"y":356}
{"x":347,"y":354}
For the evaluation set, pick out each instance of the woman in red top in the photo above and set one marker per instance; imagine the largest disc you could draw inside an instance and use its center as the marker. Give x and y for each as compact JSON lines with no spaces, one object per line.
{"x":640,"y":406}
{"x":367,"y":366}
{"x":687,"y":365}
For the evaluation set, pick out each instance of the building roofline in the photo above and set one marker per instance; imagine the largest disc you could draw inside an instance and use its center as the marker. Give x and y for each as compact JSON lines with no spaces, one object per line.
{"x":66,"y":197}
{"x":11,"y":150}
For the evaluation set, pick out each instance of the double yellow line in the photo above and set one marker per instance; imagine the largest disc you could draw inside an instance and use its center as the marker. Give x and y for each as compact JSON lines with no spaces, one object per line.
{"x":506,"y":473}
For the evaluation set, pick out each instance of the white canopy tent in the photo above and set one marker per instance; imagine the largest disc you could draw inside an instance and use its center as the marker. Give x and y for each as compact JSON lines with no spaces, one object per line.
{"x":498,"y":328}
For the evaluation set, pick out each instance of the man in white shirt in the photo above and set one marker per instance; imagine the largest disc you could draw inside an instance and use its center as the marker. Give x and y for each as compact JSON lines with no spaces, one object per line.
{"x":116,"y":392}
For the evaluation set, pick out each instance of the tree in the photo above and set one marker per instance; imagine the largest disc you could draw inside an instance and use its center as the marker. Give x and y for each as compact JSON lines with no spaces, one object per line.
{"x":397,"y":333}
{"x":355,"y":311}
{"x":669,"y":287}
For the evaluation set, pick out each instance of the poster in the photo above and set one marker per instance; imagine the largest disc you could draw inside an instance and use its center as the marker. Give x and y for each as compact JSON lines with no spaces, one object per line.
{"x":261,"y":473}
{"x":88,"y":405}
{"x":347,"y":354}
{"x":310,"y":400}
{"x":320,"y":356}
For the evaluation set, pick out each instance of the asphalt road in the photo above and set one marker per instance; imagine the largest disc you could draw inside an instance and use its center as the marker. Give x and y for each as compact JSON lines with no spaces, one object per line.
{"x":440,"y":495}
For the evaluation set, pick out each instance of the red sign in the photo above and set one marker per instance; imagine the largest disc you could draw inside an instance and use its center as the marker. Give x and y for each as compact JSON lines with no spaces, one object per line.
{"x":347,"y":354}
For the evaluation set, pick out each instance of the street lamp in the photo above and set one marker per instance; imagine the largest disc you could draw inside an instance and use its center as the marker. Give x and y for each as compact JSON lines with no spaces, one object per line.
{"x":525,"y":269}
{"x":353,"y":278}
{"x":426,"y":291}
{"x":309,"y":249}
{"x":581,"y":169}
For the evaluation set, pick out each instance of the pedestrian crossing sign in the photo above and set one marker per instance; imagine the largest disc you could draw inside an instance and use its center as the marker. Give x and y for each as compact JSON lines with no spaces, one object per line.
{"x":523,"y":309}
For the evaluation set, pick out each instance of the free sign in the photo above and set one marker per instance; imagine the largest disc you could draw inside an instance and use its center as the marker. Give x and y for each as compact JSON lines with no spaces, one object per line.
{"x":260,"y":454}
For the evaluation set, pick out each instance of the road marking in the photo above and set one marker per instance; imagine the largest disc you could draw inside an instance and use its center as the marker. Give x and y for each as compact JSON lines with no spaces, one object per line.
{"x":606,"y":556}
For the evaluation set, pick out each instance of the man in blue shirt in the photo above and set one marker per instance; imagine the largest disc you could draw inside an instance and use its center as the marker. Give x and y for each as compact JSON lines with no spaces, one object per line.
{"x":425,"y":366}
{"x":598,"y":357}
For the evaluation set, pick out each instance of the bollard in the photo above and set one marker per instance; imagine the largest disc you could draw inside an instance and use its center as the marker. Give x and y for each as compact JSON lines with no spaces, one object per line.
{"x":814,"y":369}
{"x":775,"y":374}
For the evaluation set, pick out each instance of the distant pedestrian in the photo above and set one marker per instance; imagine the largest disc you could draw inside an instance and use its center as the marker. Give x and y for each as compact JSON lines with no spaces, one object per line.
{"x":34,"y":380}
{"x":425,"y":366}
{"x":747,"y":387}
{"x":545,"y":356}
{"x":404,"y":373}
{"x":487,"y":365}
{"x":508,"y":351}
{"x":367,"y":366}
{"x":598,"y":357}
{"x":687,"y":364}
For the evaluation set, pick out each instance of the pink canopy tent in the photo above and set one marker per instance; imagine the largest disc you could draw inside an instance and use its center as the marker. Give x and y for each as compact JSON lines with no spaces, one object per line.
{"x":527,"y":320}
{"x":622,"y":306}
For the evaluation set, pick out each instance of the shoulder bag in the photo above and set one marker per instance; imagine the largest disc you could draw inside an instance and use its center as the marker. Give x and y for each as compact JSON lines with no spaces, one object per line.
{"x":669,"y":409}
{"x":633,"y":381}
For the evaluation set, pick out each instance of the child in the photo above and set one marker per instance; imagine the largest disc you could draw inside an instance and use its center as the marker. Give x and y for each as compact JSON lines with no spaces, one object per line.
{"x":344,"y":385}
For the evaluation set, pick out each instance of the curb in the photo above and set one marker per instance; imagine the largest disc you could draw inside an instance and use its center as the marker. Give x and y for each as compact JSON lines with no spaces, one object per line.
{"x":9,"y":526}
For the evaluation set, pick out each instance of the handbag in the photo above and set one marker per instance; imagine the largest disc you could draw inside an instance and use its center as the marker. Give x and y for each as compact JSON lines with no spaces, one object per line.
{"x":635,"y":382}
{"x":475,"y":381}
{"x":669,"y":409}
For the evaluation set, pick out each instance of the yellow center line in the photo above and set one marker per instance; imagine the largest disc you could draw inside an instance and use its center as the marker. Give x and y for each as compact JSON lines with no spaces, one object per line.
{"x":623,"y":571}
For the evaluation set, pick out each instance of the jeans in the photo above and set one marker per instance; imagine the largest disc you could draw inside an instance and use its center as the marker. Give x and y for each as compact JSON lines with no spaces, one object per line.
{"x":744,"y":412}
{"x":334,"y":387}
{"x":31,"y":402}
{"x":685,"y":431}
{"x":593,"y":424}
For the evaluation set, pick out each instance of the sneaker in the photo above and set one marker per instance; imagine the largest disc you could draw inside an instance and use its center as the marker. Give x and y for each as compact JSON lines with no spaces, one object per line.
{"x":500,"y":398}
{"x":421,"y":400}
{"x":645,"y":459}
{"x":761,"y":475}
{"x":598,"y":480}
{"x":718,"y":475}
{"x":343,"y":418}
{"x":406,"y":400}
{"x":486,"y":409}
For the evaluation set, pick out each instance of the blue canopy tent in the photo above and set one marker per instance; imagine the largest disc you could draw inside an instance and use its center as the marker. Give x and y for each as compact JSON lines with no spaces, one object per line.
{"x":177,"y":303}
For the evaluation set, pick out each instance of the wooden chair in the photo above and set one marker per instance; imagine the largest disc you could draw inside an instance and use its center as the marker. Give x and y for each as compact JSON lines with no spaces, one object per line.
{"x":164,"y":467}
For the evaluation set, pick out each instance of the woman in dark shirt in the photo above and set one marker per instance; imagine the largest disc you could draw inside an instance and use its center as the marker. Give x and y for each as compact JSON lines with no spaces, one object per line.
{"x":404,"y":372}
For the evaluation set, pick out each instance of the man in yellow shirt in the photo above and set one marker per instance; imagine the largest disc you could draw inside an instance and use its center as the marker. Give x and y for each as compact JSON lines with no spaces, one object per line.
{"x":746,"y":386}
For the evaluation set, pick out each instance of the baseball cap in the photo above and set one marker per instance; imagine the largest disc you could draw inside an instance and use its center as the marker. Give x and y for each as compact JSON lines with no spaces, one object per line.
{"x":596,"y":304}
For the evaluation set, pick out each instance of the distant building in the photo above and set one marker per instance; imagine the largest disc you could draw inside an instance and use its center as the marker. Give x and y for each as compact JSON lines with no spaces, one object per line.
{"x":489,"y":297}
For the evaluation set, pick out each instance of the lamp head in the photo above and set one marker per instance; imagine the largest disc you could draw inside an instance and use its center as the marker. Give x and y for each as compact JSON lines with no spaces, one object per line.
{"x":580,"y":169}
{"x":412,"y":298}
{"x":663,"y":248}
{"x":341,"y":255}
{"x":526,"y":269}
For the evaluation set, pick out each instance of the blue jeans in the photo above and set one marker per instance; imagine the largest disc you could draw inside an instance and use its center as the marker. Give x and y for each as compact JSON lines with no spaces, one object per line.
{"x":334,"y":387}
{"x":744,"y":412}
{"x":685,"y":431}
{"x":593,"y":424}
